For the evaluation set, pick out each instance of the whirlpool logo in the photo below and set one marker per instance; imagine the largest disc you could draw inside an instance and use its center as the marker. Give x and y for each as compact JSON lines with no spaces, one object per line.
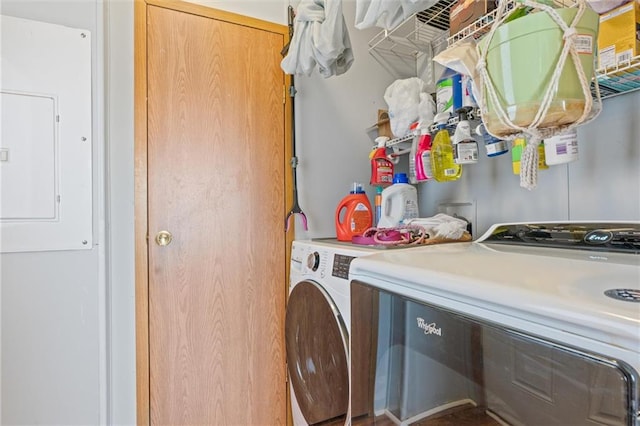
{"x":431,"y":328}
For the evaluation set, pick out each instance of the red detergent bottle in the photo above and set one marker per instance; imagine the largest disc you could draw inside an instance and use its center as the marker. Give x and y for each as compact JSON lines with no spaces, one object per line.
{"x":381,"y":166}
{"x":353,"y":214}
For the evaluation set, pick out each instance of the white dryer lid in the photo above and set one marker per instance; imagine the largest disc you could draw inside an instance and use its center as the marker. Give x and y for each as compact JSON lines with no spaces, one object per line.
{"x":558,"y":288}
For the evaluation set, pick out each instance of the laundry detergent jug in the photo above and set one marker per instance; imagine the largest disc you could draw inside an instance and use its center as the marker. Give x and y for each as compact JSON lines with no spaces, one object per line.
{"x":399,"y":202}
{"x":353,"y":214}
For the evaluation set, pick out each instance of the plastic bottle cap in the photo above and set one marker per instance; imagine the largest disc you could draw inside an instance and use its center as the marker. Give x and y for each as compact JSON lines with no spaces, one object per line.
{"x":400,"y":178}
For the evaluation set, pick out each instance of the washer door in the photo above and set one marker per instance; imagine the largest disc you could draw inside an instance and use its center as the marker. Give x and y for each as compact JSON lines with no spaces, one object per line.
{"x":317,"y":346}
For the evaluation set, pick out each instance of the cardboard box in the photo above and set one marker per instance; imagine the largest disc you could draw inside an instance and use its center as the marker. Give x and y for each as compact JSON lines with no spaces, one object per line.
{"x":465,"y":12}
{"x":384,"y":124}
{"x":619,"y":35}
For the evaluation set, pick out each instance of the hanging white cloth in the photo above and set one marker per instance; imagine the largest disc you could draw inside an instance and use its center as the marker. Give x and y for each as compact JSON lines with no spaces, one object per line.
{"x":387,"y":14}
{"x":320,"y":37}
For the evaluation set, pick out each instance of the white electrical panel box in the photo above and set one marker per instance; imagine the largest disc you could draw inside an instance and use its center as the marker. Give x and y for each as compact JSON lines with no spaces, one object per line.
{"x":45,"y":138}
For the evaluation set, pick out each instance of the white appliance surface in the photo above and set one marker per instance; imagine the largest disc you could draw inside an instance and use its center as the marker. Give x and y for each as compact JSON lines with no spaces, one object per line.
{"x":558,"y":294}
{"x":315,"y":260}
{"x":323,"y":250}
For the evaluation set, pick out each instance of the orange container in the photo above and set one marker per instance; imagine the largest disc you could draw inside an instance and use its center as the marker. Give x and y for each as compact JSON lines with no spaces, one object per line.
{"x":353,"y":214}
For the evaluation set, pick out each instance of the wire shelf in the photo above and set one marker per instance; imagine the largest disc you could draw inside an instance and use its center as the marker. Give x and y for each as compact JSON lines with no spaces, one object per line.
{"x":618,"y":79}
{"x":417,"y":35}
{"x":427,"y":33}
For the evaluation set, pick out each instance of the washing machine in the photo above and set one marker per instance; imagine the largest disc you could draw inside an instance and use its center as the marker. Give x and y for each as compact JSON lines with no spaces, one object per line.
{"x":532,"y":324}
{"x":317,"y":330}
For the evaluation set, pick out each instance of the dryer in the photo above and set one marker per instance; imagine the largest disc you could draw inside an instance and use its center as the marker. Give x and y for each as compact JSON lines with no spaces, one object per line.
{"x":317,"y":330}
{"x":533,"y":324}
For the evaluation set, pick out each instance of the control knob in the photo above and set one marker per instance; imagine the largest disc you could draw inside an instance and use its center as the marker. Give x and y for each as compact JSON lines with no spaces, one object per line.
{"x":313,"y":261}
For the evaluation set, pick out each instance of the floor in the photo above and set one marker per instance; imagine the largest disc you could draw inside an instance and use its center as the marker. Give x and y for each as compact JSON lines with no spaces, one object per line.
{"x":458,"y":416}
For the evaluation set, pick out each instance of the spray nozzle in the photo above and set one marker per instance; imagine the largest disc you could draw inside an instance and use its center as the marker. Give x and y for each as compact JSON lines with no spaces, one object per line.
{"x":382,"y":141}
{"x":441,"y":120}
{"x":463,"y":113}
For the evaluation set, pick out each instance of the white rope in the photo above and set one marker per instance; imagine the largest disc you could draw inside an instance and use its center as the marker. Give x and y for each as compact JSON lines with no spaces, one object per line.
{"x":533,"y":133}
{"x":529,"y":163}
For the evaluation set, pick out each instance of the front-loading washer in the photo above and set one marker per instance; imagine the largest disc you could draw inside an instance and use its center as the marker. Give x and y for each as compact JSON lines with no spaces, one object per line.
{"x":317,"y":330}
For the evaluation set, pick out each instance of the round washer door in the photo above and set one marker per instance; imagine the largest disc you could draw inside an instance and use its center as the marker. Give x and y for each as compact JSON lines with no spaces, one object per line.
{"x":317,"y":345}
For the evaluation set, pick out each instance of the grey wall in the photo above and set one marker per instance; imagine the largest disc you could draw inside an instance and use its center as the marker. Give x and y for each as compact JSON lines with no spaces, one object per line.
{"x":120,"y":211}
{"x":603,"y":184}
{"x":54,"y":366}
{"x":333,"y":149}
{"x":332,"y":116}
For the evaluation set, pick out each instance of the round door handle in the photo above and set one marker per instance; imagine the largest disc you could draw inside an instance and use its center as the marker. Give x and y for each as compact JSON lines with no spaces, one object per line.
{"x":163,"y":238}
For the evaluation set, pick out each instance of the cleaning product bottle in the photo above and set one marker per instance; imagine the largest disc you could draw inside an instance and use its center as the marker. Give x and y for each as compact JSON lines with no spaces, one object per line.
{"x":399,"y":202}
{"x":562,"y":148}
{"x":442,"y":164}
{"x":493,"y":145}
{"x":449,"y":92}
{"x":377,"y":205}
{"x":412,"y":160}
{"x":423,"y":157}
{"x":381,"y":166}
{"x":465,"y":147}
{"x":353,"y":214}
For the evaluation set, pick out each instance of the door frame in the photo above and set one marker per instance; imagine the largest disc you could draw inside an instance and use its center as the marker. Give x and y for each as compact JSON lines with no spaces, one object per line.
{"x":141,"y":183}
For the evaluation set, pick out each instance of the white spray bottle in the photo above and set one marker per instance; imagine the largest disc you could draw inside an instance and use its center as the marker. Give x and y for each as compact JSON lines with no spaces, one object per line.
{"x":465,"y":147}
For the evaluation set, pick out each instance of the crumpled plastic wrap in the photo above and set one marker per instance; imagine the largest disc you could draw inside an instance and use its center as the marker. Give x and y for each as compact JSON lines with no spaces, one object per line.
{"x":408,"y":102}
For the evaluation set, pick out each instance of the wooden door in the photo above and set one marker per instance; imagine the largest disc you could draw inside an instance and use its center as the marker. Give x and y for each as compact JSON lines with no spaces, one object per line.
{"x":216,"y":179}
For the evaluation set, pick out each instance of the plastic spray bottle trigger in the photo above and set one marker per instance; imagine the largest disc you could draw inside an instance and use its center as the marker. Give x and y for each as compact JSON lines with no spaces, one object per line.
{"x":442,"y":163}
{"x":465,"y":148}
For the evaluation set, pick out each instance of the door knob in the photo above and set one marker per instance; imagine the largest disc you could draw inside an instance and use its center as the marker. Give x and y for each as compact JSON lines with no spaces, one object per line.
{"x":163,"y":238}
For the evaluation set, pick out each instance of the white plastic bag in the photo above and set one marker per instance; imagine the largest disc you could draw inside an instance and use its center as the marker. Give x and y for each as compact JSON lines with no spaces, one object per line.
{"x":403,"y":100}
{"x":426,"y":109}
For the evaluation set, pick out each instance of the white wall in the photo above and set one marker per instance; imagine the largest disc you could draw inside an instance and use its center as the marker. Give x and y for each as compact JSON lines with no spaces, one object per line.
{"x":53,"y":310}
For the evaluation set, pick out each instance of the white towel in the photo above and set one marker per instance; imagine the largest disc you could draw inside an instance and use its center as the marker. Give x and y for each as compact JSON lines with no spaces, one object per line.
{"x":320,"y":37}
{"x":387,"y":14}
{"x":441,"y":225}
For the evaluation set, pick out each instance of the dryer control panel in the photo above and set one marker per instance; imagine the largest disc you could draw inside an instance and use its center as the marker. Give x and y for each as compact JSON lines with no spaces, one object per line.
{"x":341,"y":265}
{"x":600,"y":236}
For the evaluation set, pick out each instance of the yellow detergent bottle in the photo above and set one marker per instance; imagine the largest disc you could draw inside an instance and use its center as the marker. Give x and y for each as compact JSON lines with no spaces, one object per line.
{"x":442,"y":162}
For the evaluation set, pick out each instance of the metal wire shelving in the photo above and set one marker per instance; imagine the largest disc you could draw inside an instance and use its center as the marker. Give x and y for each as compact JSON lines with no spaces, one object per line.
{"x":423,"y":35}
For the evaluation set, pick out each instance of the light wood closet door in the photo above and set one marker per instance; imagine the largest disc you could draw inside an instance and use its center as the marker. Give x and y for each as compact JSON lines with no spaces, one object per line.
{"x":216,"y":182}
